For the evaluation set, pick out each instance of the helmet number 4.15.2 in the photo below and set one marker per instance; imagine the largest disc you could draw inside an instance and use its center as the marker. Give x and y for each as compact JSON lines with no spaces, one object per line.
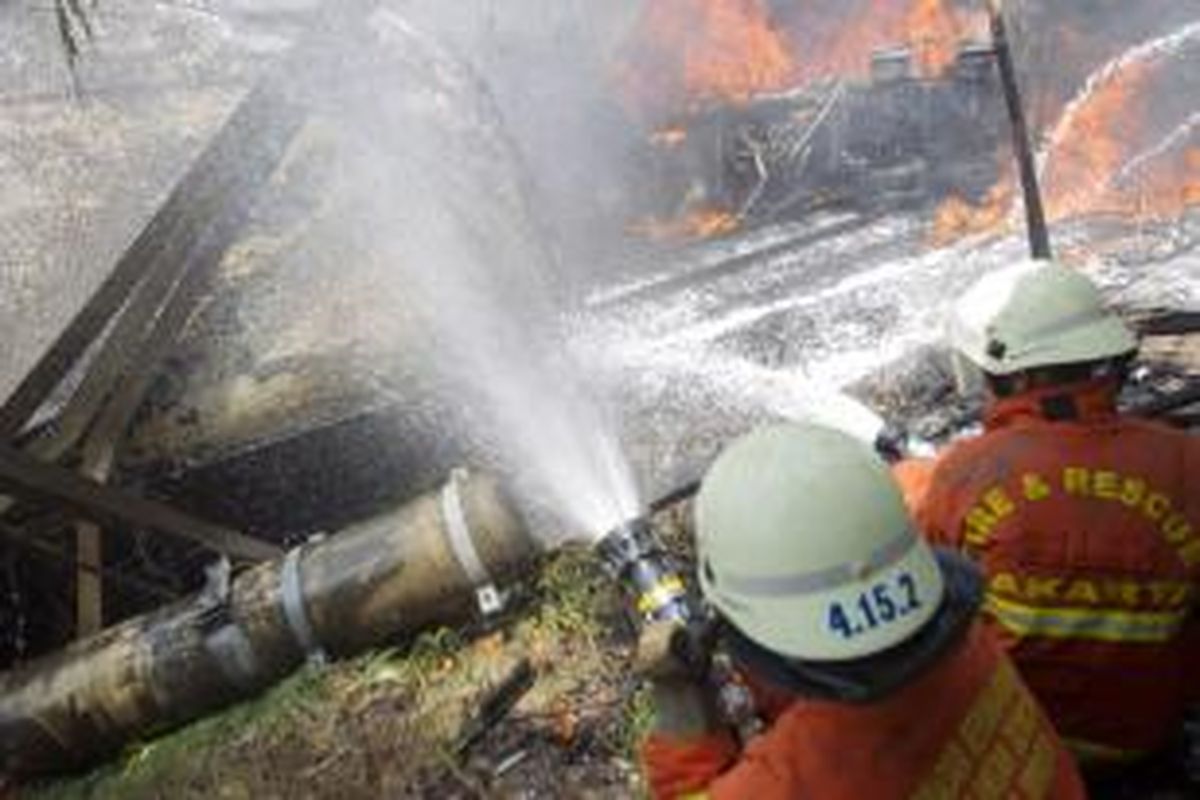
{"x":878,"y":605}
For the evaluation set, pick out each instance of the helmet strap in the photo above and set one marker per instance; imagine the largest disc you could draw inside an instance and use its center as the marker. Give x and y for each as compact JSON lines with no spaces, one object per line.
{"x":1002,"y":386}
{"x":1060,"y":407}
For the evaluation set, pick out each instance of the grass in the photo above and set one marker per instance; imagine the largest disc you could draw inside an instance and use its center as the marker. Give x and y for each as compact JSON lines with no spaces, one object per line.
{"x":386,"y":723}
{"x":149,"y":765}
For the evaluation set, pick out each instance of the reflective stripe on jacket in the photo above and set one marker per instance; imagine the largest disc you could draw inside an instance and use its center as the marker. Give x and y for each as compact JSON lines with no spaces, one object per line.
{"x":1087,"y":527}
{"x":967,"y":728}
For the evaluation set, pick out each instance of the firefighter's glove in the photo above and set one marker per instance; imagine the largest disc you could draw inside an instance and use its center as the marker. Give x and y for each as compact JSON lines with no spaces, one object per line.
{"x":661,"y":653}
{"x":683,"y":707}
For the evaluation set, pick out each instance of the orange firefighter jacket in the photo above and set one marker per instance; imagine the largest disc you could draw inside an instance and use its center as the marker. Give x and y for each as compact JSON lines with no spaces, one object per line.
{"x":966,"y":728}
{"x":1086,"y":527}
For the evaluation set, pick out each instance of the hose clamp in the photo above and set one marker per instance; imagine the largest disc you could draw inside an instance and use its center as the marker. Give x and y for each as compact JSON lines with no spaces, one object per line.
{"x":223,"y":639}
{"x":488,"y":598}
{"x":291,"y":592}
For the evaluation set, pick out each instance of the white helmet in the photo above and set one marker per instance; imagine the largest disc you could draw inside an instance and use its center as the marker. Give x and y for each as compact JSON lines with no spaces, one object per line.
{"x":1035,"y":314}
{"x":804,"y":544}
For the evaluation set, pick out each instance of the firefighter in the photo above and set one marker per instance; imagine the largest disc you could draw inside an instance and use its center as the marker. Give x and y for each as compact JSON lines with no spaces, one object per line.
{"x":1086,"y":524}
{"x":860,"y":644}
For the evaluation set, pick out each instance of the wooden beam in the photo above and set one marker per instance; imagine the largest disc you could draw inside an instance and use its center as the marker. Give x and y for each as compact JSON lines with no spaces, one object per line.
{"x":27,"y":477}
{"x":263,"y":125}
{"x":150,"y":293}
{"x":89,"y":586}
{"x":1170,"y":322}
{"x":36,"y":544}
{"x":193,"y":228}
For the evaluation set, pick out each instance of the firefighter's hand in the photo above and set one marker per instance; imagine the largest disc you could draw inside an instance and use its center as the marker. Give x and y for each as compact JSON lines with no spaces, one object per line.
{"x":682,"y":707}
{"x":658,"y":653}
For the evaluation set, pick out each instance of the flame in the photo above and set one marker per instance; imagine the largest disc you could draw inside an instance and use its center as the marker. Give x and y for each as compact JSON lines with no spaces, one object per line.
{"x":1094,"y":146}
{"x":1191,"y":185}
{"x":957,"y":217}
{"x":1169,"y":190}
{"x":738,"y":53}
{"x":689,"y":52}
{"x":934,"y":32}
{"x":669,"y":137}
{"x":732,"y":50}
{"x":846,"y":49}
{"x":1162,"y":190}
{"x":700,"y":223}
{"x":1087,"y":173}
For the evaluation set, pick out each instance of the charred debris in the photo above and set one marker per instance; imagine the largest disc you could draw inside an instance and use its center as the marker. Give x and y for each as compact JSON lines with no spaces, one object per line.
{"x":325,"y":495}
{"x":897,"y":139}
{"x":147,"y":412}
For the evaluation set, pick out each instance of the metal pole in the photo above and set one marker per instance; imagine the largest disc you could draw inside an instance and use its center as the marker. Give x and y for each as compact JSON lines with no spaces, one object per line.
{"x":1035,"y":213}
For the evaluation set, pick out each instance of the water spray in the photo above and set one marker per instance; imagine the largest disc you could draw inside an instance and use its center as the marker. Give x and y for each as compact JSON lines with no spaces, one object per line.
{"x":633,"y":554}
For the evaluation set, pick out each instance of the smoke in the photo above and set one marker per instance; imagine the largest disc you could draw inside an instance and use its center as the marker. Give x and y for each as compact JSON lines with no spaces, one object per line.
{"x":488,"y":215}
{"x":551,"y":67}
{"x":469,"y":172}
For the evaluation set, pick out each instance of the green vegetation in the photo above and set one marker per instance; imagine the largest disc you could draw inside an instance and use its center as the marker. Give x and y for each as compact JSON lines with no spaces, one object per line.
{"x":152,"y":764}
{"x":388,"y":723}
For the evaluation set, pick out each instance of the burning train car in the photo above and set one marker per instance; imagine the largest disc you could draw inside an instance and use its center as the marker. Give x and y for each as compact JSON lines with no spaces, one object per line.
{"x":897,"y":138}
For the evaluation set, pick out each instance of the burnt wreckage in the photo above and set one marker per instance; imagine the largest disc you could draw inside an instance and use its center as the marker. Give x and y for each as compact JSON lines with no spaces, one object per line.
{"x":181,"y":400}
{"x":149,"y":412}
{"x":160,"y":399}
{"x":164,"y":397}
{"x":896,"y":139}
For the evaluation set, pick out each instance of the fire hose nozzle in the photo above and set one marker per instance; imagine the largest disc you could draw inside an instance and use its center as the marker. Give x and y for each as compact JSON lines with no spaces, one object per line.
{"x":633,"y":555}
